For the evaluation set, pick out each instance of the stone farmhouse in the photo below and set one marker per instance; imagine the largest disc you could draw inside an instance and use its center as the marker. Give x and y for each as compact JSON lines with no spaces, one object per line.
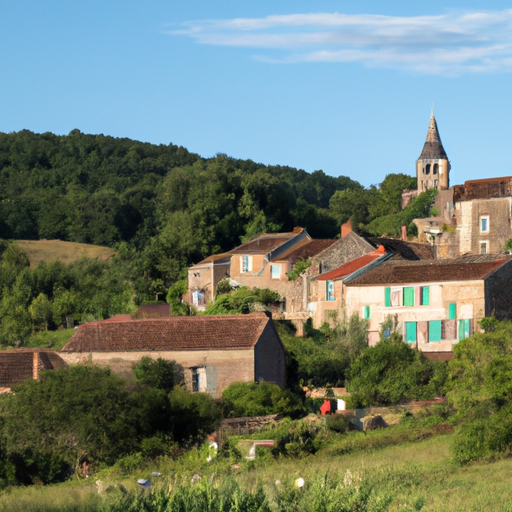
{"x":213,"y":350}
{"x":434,"y":304}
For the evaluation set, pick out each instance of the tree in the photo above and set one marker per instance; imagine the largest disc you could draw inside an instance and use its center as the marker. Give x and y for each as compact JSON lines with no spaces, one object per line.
{"x":158,"y":373}
{"x":392,"y":372}
{"x":480,"y":391}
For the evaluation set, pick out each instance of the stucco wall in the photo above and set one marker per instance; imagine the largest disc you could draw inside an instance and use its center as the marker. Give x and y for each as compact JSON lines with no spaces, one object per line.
{"x":222,"y":366}
{"x":469,"y":297}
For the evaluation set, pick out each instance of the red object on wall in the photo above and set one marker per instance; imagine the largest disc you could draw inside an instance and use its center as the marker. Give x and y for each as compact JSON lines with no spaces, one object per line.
{"x":325,"y":408}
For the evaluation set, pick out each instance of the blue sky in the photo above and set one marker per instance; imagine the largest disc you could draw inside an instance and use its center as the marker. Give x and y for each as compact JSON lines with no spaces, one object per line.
{"x":346,"y":87}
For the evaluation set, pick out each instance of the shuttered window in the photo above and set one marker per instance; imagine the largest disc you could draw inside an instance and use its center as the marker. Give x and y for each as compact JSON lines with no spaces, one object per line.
{"x":464,"y":329}
{"x":387,"y":296}
{"x":434,"y":330}
{"x":410,"y":332}
{"x":409,"y":296}
{"x":425,"y":295}
{"x":452,"y":311}
{"x":449,"y":330}
{"x":329,"y":290}
{"x":366,"y":312}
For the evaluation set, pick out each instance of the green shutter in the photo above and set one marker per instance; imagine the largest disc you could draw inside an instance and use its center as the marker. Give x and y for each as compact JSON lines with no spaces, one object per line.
{"x":366,"y":312}
{"x":452,"y":311}
{"x":408,"y":296}
{"x":463,"y":329}
{"x":425,"y":295}
{"x":434,"y":330}
{"x":410,"y":332}
{"x":387,"y":296}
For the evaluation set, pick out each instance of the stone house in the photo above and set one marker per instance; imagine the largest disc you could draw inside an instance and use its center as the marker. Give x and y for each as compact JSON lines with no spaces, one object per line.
{"x":213,"y":350}
{"x":17,"y":365}
{"x":476,"y":218}
{"x":434,"y":304}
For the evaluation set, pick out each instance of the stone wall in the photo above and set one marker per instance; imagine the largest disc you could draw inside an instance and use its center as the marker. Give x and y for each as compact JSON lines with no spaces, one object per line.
{"x":497,"y":293}
{"x":269,"y":358}
{"x":222,"y":366}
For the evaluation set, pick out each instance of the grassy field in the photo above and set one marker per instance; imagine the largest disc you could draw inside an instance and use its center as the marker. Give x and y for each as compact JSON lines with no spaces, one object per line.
{"x":393,"y":469}
{"x":67,"y":252}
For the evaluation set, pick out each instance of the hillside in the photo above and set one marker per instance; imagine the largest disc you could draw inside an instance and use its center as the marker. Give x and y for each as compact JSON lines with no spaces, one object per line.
{"x":66,"y":252}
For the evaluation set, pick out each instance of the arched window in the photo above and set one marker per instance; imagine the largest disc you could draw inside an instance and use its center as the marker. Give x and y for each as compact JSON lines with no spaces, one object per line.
{"x":427,"y":169}
{"x":436,"y":168}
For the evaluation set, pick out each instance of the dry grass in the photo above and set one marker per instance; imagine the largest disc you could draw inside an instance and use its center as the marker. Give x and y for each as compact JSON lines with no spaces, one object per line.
{"x":67,"y":252}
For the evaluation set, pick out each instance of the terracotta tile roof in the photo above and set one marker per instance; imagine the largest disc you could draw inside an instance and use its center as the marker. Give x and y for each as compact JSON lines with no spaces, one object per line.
{"x":168,"y":334}
{"x":265,"y":243}
{"x":407,"y":272}
{"x":352,"y":266}
{"x":308,"y":250}
{"x":405,"y":250}
{"x":17,"y":365}
{"x":152,"y":311}
{"x":224,"y":257}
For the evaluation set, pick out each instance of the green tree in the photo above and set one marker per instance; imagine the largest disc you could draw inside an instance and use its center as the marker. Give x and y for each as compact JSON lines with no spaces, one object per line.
{"x":158,"y":373}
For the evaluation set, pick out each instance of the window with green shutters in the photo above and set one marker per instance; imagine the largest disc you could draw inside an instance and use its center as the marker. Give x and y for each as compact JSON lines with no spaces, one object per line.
{"x":452,"y":311}
{"x":410,"y":332}
{"x":366,"y":312}
{"x":434,"y":330}
{"x":464,"y":328}
{"x":409,"y":296}
{"x":329,"y":292}
{"x":425,"y":295}
{"x":387,"y":296}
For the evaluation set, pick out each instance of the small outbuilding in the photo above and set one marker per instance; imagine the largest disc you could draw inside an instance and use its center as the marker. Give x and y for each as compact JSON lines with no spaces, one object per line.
{"x":213,"y":350}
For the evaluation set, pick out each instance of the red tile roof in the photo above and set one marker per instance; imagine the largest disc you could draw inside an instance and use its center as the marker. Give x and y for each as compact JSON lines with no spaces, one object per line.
{"x":224,"y":257}
{"x":167,"y":334}
{"x":306,"y":251}
{"x":17,"y":365}
{"x":352,"y":266}
{"x":265,"y":243}
{"x":465,"y":268}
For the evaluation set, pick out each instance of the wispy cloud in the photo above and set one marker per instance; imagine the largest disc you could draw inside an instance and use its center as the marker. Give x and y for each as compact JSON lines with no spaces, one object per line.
{"x":449,"y":44}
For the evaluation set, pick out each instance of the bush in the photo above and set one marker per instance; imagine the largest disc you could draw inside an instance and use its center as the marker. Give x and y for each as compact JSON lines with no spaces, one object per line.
{"x":336,"y":423}
{"x":298,"y":441}
{"x":259,"y":399}
{"x":158,"y":373}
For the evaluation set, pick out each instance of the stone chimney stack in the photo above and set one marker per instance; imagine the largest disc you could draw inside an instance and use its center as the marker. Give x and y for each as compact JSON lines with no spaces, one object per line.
{"x":35,"y":365}
{"x":346,"y":228}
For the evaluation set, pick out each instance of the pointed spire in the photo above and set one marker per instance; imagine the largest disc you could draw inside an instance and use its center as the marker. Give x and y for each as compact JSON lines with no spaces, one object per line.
{"x":433,"y":148}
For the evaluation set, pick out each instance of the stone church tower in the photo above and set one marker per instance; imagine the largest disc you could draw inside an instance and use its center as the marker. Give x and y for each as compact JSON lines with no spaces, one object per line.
{"x":433,"y":167}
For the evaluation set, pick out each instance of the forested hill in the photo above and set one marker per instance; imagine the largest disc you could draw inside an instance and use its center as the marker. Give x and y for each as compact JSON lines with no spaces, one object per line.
{"x":164,"y":208}
{"x":103,"y":190}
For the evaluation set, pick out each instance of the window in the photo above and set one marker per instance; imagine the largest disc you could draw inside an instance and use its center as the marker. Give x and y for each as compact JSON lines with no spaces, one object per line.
{"x":329,"y":290}
{"x":408,"y":296}
{"x":396,"y":296}
{"x":434,"y":331}
{"x":275,"y":271}
{"x":464,"y":329}
{"x":427,"y":169}
{"x":387,"y":297}
{"x":196,"y":377}
{"x":410,"y":332}
{"x":425,"y":295}
{"x":436,"y":168}
{"x":452,"y":311}
{"x":484,"y":224}
{"x":245,"y":264}
{"x":366,"y":312}
{"x":484,"y":247}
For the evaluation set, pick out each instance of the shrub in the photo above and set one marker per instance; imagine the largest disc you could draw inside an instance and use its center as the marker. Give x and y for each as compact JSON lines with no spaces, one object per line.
{"x":158,"y":373}
{"x":259,"y":399}
{"x":336,"y":423}
{"x":298,"y":441}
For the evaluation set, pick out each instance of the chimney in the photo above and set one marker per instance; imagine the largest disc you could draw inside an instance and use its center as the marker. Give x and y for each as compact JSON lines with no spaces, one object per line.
{"x":346,"y":228}
{"x":35,"y":365}
{"x":404,"y":233}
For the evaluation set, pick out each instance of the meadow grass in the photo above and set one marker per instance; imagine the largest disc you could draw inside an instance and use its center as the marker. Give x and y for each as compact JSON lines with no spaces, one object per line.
{"x":392,"y":469}
{"x":66,"y":252}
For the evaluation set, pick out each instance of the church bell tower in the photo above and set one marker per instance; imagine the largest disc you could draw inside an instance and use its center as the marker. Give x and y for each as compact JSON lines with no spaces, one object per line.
{"x":433,"y":166}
